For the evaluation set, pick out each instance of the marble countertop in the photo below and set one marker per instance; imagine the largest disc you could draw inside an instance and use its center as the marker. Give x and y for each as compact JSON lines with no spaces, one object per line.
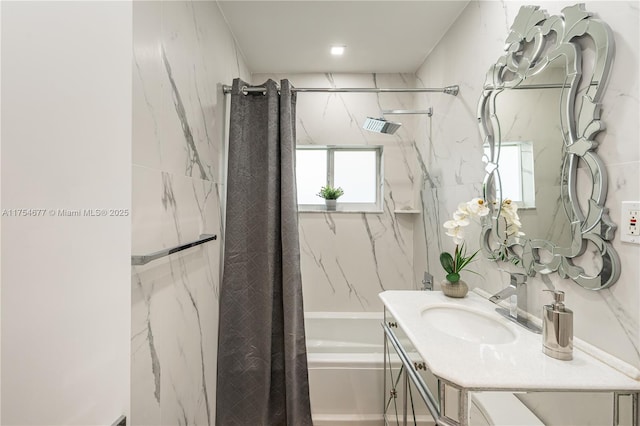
{"x":517,"y":365}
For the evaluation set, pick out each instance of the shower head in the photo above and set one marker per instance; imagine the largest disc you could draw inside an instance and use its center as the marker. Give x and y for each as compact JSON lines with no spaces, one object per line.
{"x":380,"y":125}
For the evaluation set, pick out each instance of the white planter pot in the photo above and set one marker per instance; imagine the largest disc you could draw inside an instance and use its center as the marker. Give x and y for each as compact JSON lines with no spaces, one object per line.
{"x":331,"y":204}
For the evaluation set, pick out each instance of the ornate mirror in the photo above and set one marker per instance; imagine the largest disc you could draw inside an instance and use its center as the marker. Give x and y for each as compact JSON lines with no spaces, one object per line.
{"x":539,"y":115}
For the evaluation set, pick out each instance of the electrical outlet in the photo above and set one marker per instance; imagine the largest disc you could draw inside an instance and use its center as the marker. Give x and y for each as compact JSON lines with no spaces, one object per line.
{"x":634,"y":227}
{"x":630,"y":222}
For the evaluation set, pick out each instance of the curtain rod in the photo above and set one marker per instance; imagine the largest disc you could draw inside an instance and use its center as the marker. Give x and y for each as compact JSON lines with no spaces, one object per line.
{"x":449,"y":90}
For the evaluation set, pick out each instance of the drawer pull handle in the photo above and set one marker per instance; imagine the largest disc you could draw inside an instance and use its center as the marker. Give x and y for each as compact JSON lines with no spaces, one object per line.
{"x":420,"y":366}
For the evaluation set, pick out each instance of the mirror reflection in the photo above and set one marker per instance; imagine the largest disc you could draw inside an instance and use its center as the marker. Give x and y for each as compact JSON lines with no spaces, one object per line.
{"x":532,"y":151}
{"x":539,"y":115}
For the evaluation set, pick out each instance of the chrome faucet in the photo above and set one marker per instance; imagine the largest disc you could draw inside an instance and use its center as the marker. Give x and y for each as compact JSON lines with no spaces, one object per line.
{"x":517,"y":308}
{"x":517,"y":287}
{"x":427,"y":282}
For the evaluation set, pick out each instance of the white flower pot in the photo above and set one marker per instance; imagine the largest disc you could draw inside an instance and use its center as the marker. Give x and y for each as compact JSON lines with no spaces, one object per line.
{"x":331,"y":204}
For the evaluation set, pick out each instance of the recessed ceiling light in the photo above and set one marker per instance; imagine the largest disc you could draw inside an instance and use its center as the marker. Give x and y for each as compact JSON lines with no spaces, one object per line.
{"x":337,"y":50}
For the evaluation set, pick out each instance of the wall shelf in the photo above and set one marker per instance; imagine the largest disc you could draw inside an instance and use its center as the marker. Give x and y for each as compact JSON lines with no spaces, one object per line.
{"x":407,"y":211}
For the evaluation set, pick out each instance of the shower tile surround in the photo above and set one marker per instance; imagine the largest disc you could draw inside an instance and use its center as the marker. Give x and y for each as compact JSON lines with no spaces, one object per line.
{"x":182,"y":52}
{"x":348,"y":258}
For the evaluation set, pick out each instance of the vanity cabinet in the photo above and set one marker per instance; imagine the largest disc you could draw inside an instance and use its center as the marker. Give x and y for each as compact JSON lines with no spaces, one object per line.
{"x":454,"y":375}
{"x":413,"y":395}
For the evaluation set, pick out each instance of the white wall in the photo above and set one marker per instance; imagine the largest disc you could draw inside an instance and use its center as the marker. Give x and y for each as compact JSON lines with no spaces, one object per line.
{"x":0,"y":209}
{"x":66,"y":140}
{"x":608,"y":319}
{"x":183,"y":52}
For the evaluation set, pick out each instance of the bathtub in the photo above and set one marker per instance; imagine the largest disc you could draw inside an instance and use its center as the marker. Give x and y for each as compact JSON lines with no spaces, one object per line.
{"x":346,"y":360}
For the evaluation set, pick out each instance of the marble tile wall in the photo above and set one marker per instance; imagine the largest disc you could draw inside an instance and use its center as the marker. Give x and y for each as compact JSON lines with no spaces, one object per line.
{"x":348,"y":258}
{"x":450,"y":150}
{"x":183,"y":51}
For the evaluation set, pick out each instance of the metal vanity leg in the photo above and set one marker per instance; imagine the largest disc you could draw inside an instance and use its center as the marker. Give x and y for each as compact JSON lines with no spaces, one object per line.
{"x":405,"y":392}
{"x":441,"y":398}
{"x":616,"y":407}
{"x":463,"y":407}
{"x":384,"y":378}
{"x":459,"y":406}
{"x":635,"y":408}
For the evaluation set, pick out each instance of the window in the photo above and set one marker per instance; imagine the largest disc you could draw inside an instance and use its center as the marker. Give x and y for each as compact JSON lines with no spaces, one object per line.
{"x":516,"y":172}
{"x":356,"y":169}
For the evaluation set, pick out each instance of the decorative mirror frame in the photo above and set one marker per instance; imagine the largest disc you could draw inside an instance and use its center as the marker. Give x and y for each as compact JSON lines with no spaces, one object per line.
{"x":534,"y":41}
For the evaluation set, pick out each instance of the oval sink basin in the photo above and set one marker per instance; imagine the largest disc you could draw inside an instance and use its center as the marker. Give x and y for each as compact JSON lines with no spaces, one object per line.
{"x":467,"y":324}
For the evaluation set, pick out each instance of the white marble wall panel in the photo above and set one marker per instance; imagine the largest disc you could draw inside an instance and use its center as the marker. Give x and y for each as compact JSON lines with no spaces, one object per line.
{"x":174,"y":299}
{"x":183,"y":53}
{"x":348,"y":258}
{"x":452,"y":172}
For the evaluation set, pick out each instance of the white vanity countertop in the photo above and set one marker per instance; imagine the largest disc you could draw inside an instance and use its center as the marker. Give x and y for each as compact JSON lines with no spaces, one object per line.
{"x":517,"y":365}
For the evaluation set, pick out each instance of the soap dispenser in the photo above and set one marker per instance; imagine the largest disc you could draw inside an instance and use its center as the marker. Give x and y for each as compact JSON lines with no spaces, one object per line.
{"x":557,"y":328}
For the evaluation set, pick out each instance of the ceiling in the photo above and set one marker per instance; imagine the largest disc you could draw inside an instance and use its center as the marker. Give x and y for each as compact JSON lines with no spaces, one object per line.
{"x":380,"y":36}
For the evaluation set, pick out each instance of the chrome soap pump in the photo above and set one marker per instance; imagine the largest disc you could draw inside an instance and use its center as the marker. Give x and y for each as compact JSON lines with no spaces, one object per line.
{"x":557,"y":328}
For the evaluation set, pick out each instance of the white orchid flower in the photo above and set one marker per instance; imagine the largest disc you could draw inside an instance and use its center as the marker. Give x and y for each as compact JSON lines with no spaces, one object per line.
{"x":464,"y":208}
{"x":461,"y":218}
{"x":509,"y":211}
{"x":510,"y":207}
{"x":477,"y":207}
{"x":455,"y":230}
{"x":461,"y":213}
{"x":508,"y":203}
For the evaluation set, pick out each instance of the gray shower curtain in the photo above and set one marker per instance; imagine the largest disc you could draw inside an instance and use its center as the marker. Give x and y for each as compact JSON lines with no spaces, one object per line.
{"x":262,"y":359}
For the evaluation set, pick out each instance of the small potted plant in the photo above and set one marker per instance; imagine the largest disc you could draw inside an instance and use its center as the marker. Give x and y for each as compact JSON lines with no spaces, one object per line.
{"x":330,"y":195}
{"x":452,"y":285}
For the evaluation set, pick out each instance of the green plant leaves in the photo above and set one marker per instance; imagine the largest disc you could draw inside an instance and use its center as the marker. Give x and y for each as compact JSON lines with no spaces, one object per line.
{"x":446,"y":260}
{"x":453,"y":265}
{"x":453,"y":277}
{"x":462,"y":260}
{"x":330,"y":193}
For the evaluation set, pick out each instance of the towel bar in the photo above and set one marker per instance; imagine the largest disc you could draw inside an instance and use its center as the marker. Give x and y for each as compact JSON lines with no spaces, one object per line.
{"x":144,"y":259}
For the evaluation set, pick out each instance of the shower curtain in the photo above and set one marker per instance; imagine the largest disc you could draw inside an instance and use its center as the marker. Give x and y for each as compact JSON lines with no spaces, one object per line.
{"x":262,"y":359}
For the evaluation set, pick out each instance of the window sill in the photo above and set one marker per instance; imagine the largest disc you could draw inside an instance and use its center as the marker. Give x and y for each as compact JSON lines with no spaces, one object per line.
{"x":339,"y":209}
